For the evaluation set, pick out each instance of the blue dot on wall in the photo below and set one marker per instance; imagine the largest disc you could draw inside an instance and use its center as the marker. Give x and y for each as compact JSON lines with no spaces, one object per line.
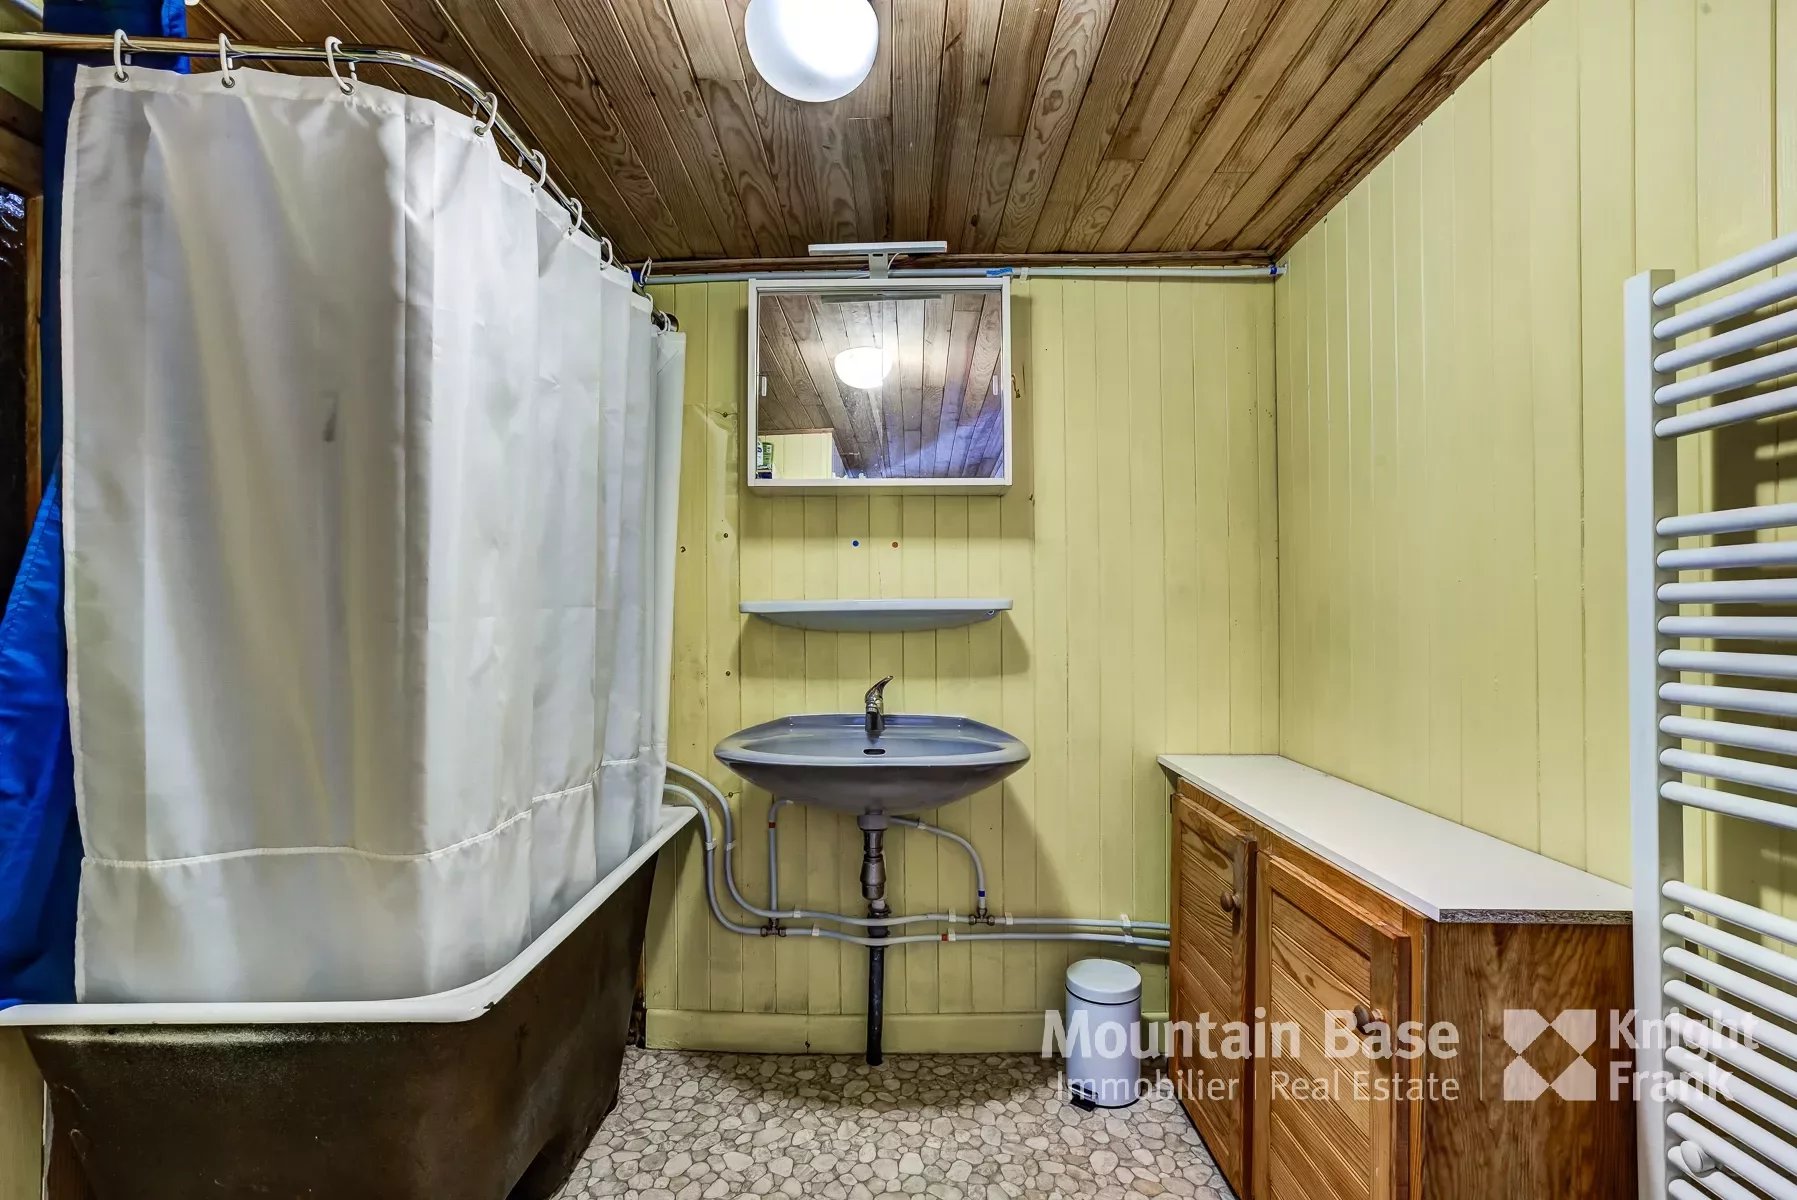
{"x":855,"y":541}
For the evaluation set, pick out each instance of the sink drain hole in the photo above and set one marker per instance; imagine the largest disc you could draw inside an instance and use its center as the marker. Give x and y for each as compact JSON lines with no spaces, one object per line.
{"x":874,"y":750}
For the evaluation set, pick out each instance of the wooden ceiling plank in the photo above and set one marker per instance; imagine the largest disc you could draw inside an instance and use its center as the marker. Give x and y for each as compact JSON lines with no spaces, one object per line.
{"x":1409,"y":88}
{"x":910,"y":365}
{"x":805,"y":317}
{"x":980,"y":372}
{"x":969,"y":35}
{"x":676,"y":102}
{"x":916,"y":73}
{"x":1175,"y":56}
{"x":590,"y":63}
{"x":994,"y":167}
{"x":724,"y":83}
{"x":709,"y":39}
{"x":1127,"y":44}
{"x":1225,"y":53}
{"x":1073,"y":48}
{"x":739,"y":139}
{"x":787,"y":138}
{"x":1024,"y":29}
{"x":877,"y":325}
{"x":783,"y":344}
{"x":937,"y":314}
{"x":843,"y":326}
{"x":1334,"y":42}
{"x":603,"y":186}
{"x":1385,"y":39}
{"x":371,"y":21}
{"x":565,"y":84}
{"x":874,"y":97}
{"x":1094,"y":216}
{"x":1294,"y":36}
{"x":870,"y":149}
{"x":310,"y":24}
{"x":964,"y":330}
{"x":834,"y":165}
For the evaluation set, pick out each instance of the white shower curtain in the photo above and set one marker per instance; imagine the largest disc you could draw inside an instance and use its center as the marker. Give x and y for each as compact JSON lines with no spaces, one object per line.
{"x":368,"y":543}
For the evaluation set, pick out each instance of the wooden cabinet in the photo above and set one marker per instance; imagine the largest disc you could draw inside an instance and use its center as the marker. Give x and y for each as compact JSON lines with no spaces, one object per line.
{"x":1213,"y":915}
{"x":1327,"y":1095}
{"x":1345,"y":1098}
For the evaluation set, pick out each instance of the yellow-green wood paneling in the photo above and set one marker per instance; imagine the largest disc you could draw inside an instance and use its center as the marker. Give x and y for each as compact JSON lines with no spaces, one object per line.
{"x":1451,"y":587}
{"x":1138,"y":546}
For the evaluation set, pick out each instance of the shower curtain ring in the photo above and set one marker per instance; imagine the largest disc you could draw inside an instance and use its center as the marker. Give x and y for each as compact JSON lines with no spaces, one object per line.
{"x":489,"y":102}
{"x":119,"y":57}
{"x":224,"y":60}
{"x":575,"y":212}
{"x":608,"y":255}
{"x":331,"y":46}
{"x":542,"y":161}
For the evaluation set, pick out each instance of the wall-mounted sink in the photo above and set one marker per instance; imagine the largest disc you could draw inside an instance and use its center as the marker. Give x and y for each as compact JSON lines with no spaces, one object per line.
{"x":917,"y":761}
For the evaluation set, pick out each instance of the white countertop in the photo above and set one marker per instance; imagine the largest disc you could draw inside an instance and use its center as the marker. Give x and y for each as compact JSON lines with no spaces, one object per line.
{"x":1445,"y":871}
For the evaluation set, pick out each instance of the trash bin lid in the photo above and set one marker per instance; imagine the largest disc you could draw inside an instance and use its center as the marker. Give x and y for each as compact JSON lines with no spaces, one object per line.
{"x":1104,"y":981}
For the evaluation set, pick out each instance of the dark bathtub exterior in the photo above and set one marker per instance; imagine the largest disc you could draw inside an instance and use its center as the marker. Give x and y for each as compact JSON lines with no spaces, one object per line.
{"x":497,"y":1108}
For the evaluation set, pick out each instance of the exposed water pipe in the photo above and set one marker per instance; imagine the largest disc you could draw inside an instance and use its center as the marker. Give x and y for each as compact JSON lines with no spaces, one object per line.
{"x":1264,"y":274}
{"x":711,"y":895}
{"x":772,"y":912}
{"x":773,"y":853}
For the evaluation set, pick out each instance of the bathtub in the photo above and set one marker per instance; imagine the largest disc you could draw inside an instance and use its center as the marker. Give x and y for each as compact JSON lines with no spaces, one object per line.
{"x":490,"y":1091}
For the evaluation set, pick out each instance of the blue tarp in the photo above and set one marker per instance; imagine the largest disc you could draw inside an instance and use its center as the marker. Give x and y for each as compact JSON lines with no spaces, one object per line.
{"x":40,"y":842}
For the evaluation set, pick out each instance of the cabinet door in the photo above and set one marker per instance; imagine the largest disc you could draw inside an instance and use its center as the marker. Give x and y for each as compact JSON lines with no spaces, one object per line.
{"x":1213,"y":866}
{"x":1329,"y":1121}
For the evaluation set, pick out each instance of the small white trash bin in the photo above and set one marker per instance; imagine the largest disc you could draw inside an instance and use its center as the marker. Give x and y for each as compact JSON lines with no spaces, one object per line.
{"x":1104,"y":1010}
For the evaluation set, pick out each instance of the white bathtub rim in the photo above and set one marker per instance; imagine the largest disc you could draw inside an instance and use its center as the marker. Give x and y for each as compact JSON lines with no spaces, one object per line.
{"x":454,"y":1006}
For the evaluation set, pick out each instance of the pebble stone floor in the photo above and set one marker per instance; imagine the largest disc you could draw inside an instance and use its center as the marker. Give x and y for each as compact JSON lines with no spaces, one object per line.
{"x":988,"y":1127}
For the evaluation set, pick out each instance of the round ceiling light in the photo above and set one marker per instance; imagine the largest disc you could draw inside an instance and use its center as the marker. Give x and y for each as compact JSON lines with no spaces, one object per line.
{"x":812,"y":50}
{"x":863,"y":367}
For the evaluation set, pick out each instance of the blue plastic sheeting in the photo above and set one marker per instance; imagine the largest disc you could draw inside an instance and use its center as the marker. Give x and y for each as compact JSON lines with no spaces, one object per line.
{"x":40,"y":841}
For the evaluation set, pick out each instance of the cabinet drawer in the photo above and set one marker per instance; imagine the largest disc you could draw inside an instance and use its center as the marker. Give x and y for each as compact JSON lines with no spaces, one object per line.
{"x":1329,"y":1116}
{"x":1213,"y":902}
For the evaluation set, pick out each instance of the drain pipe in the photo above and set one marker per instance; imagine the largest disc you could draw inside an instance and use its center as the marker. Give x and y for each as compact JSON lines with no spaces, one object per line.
{"x":873,"y":890}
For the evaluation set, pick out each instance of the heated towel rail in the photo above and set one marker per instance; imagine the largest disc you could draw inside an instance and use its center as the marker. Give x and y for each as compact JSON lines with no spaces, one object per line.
{"x":1712,"y":619}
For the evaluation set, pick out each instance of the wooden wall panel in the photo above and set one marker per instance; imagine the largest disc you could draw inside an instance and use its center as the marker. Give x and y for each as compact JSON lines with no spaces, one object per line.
{"x":1136,"y":546}
{"x":21,"y":1120}
{"x":1450,"y":484}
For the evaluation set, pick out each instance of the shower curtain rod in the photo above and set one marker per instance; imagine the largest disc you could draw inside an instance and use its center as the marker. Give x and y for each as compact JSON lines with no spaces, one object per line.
{"x":481,"y":98}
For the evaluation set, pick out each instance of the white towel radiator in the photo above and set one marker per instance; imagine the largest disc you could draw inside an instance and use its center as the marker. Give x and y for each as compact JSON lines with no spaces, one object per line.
{"x":1718,"y":1092}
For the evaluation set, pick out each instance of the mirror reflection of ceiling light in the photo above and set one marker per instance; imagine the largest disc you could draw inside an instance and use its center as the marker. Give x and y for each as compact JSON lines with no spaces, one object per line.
{"x":813,"y":50}
{"x":863,"y":367}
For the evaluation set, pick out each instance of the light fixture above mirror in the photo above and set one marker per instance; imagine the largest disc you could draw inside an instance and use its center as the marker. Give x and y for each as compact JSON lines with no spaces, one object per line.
{"x":813,"y":50}
{"x":864,"y":367}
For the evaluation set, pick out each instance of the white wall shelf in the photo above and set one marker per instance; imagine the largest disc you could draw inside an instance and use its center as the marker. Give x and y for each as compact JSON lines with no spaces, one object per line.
{"x":874,"y":616}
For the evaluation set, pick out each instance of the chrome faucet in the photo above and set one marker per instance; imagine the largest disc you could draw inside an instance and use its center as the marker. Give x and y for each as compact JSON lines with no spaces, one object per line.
{"x":876,"y":707}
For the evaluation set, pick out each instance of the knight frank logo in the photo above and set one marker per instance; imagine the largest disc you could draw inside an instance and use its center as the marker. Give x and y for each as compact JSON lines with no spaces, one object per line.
{"x":1526,"y":1033}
